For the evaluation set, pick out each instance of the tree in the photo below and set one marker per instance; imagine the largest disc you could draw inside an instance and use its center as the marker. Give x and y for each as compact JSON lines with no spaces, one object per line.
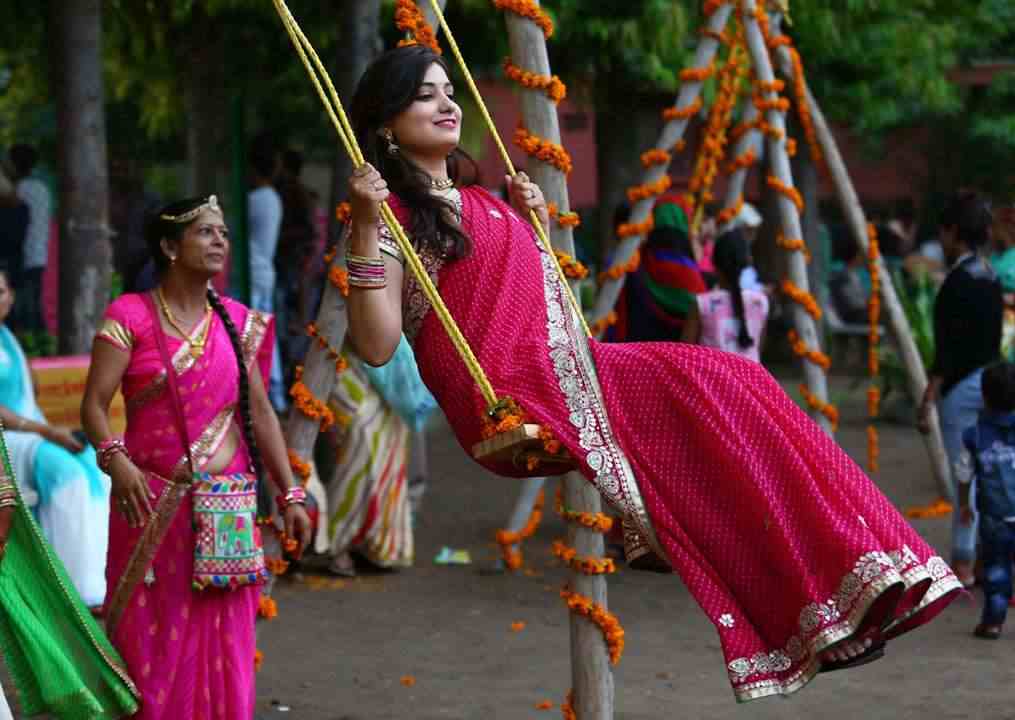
{"x":85,"y":254}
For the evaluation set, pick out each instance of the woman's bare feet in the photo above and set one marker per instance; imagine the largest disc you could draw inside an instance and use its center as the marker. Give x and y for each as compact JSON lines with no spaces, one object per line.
{"x":849,"y":649}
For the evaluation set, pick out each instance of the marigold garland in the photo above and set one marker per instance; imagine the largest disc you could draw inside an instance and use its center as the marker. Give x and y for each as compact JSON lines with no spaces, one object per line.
{"x":600,"y":325}
{"x":794,"y":244}
{"x":587,"y":565}
{"x":565,"y":220}
{"x":597,"y":522}
{"x":343,"y":212}
{"x":339,"y":277}
{"x":874,"y":313}
{"x":684,"y":113}
{"x":507,"y":539}
{"x":621,"y":269}
{"x":267,"y":608}
{"x":607,"y":622}
{"x":814,"y":403}
{"x":788,"y":190}
{"x":727,"y":214}
{"x":276,"y":565}
{"x":649,"y":190}
{"x":410,"y":19}
{"x":333,"y":354}
{"x":779,"y":104}
{"x":655,"y":157}
{"x":306,"y":403}
{"x":742,"y":161}
{"x":573,"y":269}
{"x":258,"y":660}
{"x":801,"y":349}
{"x":541,"y":149}
{"x":567,"y":707}
{"x":632,"y":229}
{"x":804,"y":109}
{"x":300,"y":467}
{"x":528,"y":9}
{"x":801,"y":297}
{"x":552,"y":85}
{"x":503,"y":417}
{"x":720,"y":37}
{"x":697,"y":74}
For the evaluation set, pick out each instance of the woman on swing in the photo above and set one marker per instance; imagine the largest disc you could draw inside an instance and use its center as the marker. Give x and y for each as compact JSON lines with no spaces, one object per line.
{"x":796,"y":557}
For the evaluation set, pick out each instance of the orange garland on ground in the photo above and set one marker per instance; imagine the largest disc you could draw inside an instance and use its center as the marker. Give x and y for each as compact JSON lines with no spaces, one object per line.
{"x":621,"y":269}
{"x":829,"y":411}
{"x":507,"y":539}
{"x":309,"y":405}
{"x":874,"y":314}
{"x":552,"y":85}
{"x":541,"y":149}
{"x":410,"y":19}
{"x":528,"y":9}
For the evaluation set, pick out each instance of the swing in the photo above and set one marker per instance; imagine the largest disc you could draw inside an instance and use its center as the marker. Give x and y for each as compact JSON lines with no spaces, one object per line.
{"x":522,"y":445}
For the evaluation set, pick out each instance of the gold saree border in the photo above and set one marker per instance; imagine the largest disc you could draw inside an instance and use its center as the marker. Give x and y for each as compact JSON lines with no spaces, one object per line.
{"x":579,"y":383}
{"x":182,"y":362}
{"x":113,"y":331}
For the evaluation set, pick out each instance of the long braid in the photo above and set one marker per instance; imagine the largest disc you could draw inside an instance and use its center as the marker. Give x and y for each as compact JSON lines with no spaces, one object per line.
{"x":248,"y":422}
{"x":731,"y":255}
{"x":744,"y":338}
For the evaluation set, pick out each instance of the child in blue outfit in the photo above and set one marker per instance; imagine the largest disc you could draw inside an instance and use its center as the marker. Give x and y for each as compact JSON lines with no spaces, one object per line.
{"x":989,"y":459}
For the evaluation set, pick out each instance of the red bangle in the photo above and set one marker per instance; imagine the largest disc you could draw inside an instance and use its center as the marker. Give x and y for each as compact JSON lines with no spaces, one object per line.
{"x":295,"y":495}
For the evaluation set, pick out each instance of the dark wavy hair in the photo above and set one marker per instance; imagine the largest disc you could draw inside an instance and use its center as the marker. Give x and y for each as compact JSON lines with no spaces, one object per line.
{"x":969,"y":213}
{"x":156,"y":230}
{"x":387,"y":88}
{"x":731,"y":255}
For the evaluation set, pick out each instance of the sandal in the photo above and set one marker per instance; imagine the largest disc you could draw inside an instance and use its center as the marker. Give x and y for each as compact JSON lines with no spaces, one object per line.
{"x":988,"y":632}
{"x":343,"y":566}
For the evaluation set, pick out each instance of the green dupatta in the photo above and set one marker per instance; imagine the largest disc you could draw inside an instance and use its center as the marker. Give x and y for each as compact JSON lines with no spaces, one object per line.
{"x":60,"y":660}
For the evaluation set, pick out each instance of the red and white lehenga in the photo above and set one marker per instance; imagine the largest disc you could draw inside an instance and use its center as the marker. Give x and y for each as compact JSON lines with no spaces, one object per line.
{"x":784,"y":542}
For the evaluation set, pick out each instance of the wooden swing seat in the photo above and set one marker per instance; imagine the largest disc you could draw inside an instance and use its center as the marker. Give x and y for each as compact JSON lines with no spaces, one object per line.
{"x":518,"y":446}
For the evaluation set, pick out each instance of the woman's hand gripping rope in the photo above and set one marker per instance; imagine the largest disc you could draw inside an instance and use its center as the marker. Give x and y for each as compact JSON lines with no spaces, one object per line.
{"x":525,"y":197}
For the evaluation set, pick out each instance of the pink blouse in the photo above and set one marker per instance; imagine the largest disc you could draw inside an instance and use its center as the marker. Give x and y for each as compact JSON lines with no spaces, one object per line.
{"x":720,"y":326}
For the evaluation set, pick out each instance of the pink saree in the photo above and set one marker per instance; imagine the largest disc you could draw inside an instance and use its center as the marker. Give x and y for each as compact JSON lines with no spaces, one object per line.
{"x":190,"y":653}
{"x":784,"y":542}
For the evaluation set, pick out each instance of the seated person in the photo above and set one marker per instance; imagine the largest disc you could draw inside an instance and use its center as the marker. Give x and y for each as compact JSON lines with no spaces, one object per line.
{"x":849,"y":284}
{"x":58,"y":475}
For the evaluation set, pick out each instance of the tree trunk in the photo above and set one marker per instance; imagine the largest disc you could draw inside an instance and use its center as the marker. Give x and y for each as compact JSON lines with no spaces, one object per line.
{"x":86,"y":254}
{"x":359,"y":42}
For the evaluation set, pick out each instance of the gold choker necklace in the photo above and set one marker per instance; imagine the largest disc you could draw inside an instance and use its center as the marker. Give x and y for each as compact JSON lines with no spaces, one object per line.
{"x":442,"y":183}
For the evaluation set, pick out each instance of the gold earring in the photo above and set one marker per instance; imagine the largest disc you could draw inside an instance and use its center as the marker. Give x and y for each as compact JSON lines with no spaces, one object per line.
{"x":389,"y":137}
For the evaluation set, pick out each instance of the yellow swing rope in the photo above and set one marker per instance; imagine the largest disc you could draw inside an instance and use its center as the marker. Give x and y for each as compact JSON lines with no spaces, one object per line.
{"x":533,"y":218}
{"x":333,"y":106}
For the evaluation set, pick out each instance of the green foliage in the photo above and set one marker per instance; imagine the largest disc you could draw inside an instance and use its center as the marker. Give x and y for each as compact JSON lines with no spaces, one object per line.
{"x":37,"y":344}
{"x":916,"y":295}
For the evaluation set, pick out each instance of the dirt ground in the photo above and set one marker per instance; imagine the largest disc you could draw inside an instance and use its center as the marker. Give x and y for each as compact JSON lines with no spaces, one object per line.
{"x":340,"y":648}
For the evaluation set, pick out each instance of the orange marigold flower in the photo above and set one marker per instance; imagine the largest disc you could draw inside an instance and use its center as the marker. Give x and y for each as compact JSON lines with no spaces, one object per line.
{"x":545,"y":705}
{"x":410,"y":19}
{"x":600,"y":326}
{"x":787,"y":190}
{"x":607,"y":622}
{"x":801,"y":349}
{"x":517,"y":626}
{"x":727,"y":214}
{"x":507,"y":539}
{"x":620,"y":269}
{"x":655,"y":157}
{"x":267,"y":608}
{"x":544,"y":150}
{"x":258,"y":660}
{"x":276,"y":565}
{"x":829,"y":411}
{"x":552,"y":85}
{"x":697,"y":74}
{"x":408,"y":681}
{"x":683,"y":113}
{"x":647,"y":190}
{"x":343,"y":212}
{"x":632,"y":229}
{"x":339,"y":277}
{"x":528,"y":9}
{"x":300,"y":468}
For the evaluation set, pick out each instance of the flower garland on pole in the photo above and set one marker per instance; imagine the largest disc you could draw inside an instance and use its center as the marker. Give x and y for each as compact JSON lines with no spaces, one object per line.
{"x":873,"y":361}
{"x":410,"y":20}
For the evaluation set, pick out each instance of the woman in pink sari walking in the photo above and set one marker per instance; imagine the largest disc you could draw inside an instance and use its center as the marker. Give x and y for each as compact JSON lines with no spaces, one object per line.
{"x":191,"y":652}
{"x":793,"y":553}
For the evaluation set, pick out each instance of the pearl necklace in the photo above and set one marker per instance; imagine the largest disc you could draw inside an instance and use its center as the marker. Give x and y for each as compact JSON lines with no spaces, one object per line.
{"x":442,"y":183}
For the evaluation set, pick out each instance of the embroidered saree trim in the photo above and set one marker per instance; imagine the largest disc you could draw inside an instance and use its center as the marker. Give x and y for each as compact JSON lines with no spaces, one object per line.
{"x":115,"y":333}
{"x":143,"y":554}
{"x":182,"y":362}
{"x":204,"y":447}
{"x":576,"y":374}
{"x":821,"y":625}
{"x":255,"y":327}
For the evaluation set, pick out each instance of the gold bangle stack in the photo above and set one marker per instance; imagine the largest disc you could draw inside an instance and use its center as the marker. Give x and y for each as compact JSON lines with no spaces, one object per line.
{"x":8,"y":492}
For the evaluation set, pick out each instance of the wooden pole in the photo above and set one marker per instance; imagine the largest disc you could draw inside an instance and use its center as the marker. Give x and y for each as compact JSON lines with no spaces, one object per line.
{"x":428,"y":13}
{"x":672,"y":132}
{"x":592,"y":678}
{"x":896,"y":316}
{"x":805,"y":325}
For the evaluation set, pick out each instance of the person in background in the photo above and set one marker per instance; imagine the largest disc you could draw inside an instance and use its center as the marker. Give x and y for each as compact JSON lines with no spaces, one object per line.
{"x":129,"y":203}
{"x":967,"y":328}
{"x":13,"y":225}
{"x":59,"y":475}
{"x":729,"y":318}
{"x":1002,"y":258}
{"x":988,"y":455}
{"x":850,"y":282}
{"x":294,"y":257}
{"x":33,"y":192}
{"x":264,"y":220}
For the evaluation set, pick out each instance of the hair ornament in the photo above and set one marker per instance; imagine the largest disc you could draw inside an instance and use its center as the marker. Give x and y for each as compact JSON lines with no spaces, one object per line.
{"x":212,"y":203}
